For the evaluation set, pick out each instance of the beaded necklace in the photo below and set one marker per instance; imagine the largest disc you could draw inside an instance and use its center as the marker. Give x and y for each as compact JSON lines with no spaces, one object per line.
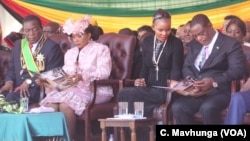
{"x":156,"y":60}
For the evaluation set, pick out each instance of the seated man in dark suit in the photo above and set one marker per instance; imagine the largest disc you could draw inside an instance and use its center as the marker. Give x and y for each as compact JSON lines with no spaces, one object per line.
{"x":214,"y":59}
{"x":34,"y":53}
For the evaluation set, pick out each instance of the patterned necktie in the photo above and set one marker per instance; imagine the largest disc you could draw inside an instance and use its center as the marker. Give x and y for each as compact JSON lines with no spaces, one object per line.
{"x":203,"y":57}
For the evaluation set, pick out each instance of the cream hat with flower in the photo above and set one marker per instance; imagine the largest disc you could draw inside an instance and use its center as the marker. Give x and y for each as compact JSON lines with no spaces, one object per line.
{"x":72,"y":27}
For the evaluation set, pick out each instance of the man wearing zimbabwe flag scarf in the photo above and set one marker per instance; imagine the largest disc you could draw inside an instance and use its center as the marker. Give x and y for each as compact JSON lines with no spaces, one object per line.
{"x":34,"y":53}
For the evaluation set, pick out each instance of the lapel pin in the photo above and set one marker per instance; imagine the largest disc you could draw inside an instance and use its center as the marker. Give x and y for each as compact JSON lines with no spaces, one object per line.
{"x":217,"y":47}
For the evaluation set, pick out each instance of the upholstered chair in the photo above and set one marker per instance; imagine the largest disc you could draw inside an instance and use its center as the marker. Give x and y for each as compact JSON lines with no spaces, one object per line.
{"x":4,"y":63}
{"x":122,"y":52}
{"x":63,"y":41}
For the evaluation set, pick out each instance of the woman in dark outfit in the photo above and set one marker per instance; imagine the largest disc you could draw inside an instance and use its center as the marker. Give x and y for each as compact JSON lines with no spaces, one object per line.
{"x":162,"y":62}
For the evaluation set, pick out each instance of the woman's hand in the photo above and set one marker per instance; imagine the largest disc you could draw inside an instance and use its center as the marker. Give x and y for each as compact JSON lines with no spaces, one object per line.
{"x":78,"y":77}
{"x":39,"y":82}
{"x":140,"y":82}
{"x":74,"y":78}
{"x":173,"y":83}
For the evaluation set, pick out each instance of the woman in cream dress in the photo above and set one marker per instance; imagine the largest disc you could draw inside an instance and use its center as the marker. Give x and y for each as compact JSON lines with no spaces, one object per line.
{"x":84,"y":63}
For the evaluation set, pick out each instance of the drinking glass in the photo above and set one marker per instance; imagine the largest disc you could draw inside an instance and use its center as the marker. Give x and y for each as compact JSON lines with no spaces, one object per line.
{"x":138,"y":109}
{"x":123,"y":108}
{"x":24,"y":102}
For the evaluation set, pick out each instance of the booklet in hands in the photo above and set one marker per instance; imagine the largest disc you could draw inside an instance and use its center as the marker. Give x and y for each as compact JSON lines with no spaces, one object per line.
{"x":55,"y":78}
{"x":184,"y":87}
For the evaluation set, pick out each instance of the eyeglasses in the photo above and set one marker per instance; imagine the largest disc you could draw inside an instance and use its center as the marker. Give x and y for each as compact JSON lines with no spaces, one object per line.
{"x":51,"y":32}
{"x":48,"y":32}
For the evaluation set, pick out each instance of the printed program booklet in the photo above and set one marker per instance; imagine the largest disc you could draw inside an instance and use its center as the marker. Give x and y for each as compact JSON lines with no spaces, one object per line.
{"x":55,"y":78}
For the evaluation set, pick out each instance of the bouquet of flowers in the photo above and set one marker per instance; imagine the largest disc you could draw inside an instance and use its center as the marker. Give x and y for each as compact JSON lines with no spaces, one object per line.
{"x":9,"y":107}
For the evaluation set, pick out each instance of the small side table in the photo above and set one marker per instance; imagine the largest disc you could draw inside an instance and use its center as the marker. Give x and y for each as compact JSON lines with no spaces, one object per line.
{"x":131,"y":123}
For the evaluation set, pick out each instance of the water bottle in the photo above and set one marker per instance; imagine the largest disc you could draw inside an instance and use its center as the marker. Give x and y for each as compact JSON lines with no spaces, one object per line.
{"x":111,"y":137}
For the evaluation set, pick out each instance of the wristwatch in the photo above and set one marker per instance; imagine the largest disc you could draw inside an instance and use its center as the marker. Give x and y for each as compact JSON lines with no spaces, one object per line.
{"x":215,"y":84}
{"x":28,"y":81}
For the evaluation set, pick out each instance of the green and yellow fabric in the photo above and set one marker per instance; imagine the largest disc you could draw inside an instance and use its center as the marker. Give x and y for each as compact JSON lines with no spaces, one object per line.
{"x":113,"y":15}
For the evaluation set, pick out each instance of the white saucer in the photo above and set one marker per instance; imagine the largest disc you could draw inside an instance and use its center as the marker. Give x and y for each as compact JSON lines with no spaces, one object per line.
{"x":128,"y":116}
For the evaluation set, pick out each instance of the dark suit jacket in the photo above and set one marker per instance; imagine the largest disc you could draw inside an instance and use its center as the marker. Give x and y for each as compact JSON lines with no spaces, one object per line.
{"x":225,"y":63}
{"x":53,"y":58}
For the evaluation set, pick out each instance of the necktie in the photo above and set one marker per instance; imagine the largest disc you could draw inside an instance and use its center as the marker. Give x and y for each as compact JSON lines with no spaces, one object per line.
{"x":203,"y":57}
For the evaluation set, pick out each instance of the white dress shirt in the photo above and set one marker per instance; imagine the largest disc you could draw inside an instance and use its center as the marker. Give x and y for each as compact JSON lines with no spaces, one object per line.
{"x":208,"y":52}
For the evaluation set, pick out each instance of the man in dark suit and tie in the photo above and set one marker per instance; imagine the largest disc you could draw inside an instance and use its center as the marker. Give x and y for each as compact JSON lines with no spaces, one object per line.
{"x":34,"y":53}
{"x":214,"y":59}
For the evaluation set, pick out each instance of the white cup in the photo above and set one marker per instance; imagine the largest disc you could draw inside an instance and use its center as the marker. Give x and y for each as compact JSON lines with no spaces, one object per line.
{"x":138,"y":109}
{"x":123,"y":108}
